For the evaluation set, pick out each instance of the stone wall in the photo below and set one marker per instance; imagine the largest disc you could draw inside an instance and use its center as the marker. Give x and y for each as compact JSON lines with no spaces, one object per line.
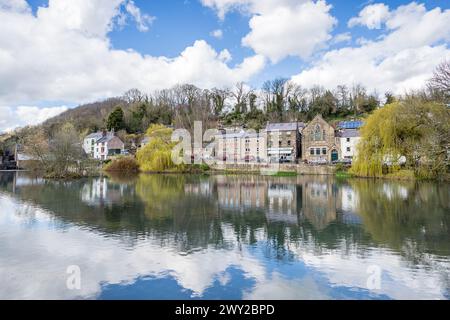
{"x":302,"y":169}
{"x":325,"y":140}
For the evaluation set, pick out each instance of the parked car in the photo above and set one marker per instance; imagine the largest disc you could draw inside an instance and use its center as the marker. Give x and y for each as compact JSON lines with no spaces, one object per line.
{"x":346,"y":162}
{"x":318,"y":162}
{"x":249,"y":158}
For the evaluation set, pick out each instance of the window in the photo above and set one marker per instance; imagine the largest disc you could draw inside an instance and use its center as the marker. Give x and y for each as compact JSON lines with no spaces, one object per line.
{"x":324,"y":151}
{"x":289,"y":142}
{"x":349,"y":149}
{"x":348,"y":139}
{"x":318,"y":151}
{"x":317,"y":134}
{"x":312,"y":151}
{"x":279,"y":143}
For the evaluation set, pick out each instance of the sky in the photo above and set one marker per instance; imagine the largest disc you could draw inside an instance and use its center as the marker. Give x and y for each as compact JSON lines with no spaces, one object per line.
{"x":57,"y":54}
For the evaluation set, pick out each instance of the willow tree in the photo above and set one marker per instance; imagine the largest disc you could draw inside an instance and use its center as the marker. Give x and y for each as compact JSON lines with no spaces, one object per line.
{"x":412,"y":133}
{"x":156,"y":156}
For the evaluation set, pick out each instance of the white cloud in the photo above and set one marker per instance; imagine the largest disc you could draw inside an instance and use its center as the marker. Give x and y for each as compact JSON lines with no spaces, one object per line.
{"x":217,"y":34}
{"x":342,"y":37}
{"x":225,"y":55}
{"x":372,"y":16}
{"x":282,"y":28}
{"x":413,"y":43}
{"x":63,"y":54}
{"x":291,"y":31}
{"x":142,"y":20}
{"x":13,"y":117}
{"x":14,"y":5}
{"x":222,"y":7}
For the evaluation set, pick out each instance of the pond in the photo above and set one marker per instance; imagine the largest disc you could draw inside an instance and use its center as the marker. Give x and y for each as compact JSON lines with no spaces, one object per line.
{"x":223,"y":237}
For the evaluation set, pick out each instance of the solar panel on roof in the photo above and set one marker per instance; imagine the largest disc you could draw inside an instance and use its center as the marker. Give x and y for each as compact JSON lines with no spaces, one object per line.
{"x":350,"y":124}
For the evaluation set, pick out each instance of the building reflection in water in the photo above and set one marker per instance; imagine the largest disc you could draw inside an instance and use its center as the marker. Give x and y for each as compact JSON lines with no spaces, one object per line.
{"x":281,"y":233}
{"x":317,"y":200}
{"x":100,"y":192}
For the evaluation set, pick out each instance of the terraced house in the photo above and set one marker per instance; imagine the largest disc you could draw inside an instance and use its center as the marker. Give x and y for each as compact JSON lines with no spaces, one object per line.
{"x":243,"y":146}
{"x":284,"y":141}
{"x":102,"y":145}
{"x":317,"y":142}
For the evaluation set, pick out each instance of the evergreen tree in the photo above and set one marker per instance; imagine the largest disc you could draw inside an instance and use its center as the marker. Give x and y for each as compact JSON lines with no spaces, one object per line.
{"x":116,"y":120}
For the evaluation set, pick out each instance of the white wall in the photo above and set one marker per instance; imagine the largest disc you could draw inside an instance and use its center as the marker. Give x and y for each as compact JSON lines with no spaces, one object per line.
{"x":87,"y":146}
{"x":349,"y":145}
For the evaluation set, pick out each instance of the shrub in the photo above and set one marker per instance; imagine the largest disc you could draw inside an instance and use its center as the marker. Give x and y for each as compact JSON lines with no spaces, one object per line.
{"x":123,"y":164}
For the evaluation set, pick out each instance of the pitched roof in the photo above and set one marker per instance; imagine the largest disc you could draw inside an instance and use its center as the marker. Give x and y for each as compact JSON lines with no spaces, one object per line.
{"x":95,"y":135}
{"x":241,"y":134}
{"x":286,"y":126}
{"x":349,"y":133}
{"x":350,"y":124}
{"x":100,"y":136}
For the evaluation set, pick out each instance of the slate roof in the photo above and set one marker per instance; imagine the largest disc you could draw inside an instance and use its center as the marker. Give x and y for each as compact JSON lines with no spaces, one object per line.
{"x":241,"y":134}
{"x":349,"y":133}
{"x":99,"y":136}
{"x":95,"y":135}
{"x":287,"y":126}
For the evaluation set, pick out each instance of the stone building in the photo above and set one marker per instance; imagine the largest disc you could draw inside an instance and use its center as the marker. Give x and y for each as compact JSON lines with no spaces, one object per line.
{"x":284,"y":142}
{"x":241,"y":147}
{"x":319,"y":142}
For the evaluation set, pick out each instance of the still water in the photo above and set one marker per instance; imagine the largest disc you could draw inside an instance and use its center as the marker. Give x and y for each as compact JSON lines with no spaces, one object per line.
{"x":223,"y":237}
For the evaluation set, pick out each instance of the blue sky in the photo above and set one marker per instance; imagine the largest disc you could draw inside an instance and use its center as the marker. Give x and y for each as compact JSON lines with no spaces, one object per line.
{"x":61,"y":53}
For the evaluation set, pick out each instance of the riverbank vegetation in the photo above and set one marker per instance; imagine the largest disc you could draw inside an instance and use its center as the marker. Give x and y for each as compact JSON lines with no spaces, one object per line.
{"x":122,"y":164}
{"x":58,"y":156}
{"x":414,"y":125}
{"x":156,"y":155}
{"x":410,"y":135}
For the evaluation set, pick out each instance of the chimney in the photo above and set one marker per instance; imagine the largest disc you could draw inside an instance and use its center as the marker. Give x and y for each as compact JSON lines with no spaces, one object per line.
{"x":104,"y":133}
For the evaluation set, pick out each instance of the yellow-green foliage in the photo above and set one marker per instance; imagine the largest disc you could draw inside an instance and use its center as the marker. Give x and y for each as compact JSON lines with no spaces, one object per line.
{"x":156,"y":156}
{"x":122,"y":164}
{"x":412,"y":128}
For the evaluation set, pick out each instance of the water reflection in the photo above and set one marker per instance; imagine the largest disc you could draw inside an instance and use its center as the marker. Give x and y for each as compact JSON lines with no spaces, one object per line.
{"x":223,"y":237}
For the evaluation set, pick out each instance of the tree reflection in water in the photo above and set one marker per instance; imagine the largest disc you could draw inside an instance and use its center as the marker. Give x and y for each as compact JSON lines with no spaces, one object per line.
{"x":283,"y":217}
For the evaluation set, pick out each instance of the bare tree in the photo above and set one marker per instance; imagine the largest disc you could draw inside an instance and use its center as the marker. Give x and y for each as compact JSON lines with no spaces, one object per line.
{"x":219,"y":97}
{"x":342,"y":94}
{"x":241,"y":95}
{"x":440,"y":82}
{"x":134,"y":96}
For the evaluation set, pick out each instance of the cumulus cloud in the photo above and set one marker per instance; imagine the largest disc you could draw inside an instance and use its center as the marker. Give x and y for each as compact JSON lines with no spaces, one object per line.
{"x":282,"y":28}
{"x":291,"y":31}
{"x":413,"y":43}
{"x":372,"y":16}
{"x":342,"y":37}
{"x":142,"y":20}
{"x":217,"y":34}
{"x":13,"y":117}
{"x":14,"y":5}
{"x":222,"y":7}
{"x":63,"y":53}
